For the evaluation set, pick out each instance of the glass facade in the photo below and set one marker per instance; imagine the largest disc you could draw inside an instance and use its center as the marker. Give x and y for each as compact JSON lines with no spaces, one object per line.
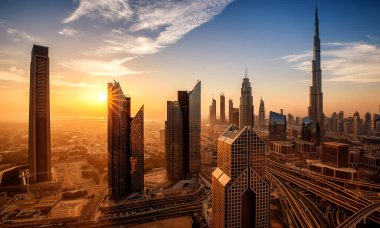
{"x":195,"y":130}
{"x":277,"y":126}
{"x":137,"y":151}
{"x":310,"y":130}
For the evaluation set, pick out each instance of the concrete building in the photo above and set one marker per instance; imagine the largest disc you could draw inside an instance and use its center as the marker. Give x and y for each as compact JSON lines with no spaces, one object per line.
{"x":183,"y":135}
{"x":230,"y":107}
{"x":246,"y":104}
{"x":367,"y":124}
{"x":240,"y":190}
{"x":39,"y":145}
{"x":315,"y":94}
{"x":335,"y":154}
{"x":125,"y":145}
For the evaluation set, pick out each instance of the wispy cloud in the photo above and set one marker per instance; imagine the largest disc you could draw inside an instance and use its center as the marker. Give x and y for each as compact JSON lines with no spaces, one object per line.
{"x":343,"y":62}
{"x":147,"y":26}
{"x":13,"y":74}
{"x":113,"y":68}
{"x":68,"y":32}
{"x":101,"y":9}
{"x":22,"y":35}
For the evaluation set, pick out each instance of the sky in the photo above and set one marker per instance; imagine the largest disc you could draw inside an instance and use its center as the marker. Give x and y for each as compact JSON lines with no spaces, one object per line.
{"x":155,"y":48}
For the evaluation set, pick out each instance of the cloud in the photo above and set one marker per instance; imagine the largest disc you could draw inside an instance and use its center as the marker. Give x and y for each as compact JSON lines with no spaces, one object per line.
{"x":22,"y":35}
{"x":343,"y":62}
{"x":112,"y":68}
{"x":111,"y":10}
{"x":68,"y":32}
{"x":13,"y":74}
{"x":147,"y":26}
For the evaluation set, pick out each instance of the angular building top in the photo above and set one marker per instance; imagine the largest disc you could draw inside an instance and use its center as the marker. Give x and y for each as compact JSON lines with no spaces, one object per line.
{"x":246,"y":104}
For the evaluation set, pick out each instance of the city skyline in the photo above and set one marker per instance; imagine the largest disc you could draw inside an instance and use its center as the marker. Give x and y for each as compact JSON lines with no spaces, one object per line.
{"x":79,"y":75}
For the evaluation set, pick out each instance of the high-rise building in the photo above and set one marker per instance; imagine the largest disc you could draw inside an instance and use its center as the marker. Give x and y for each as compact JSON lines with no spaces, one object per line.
{"x":230,"y":107}
{"x":125,"y":145}
{"x":316,"y":96}
{"x":182,"y":137}
{"x":334,"y":119}
{"x":195,"y":130}
{"x":240,"y":190}
{"x":137,"y":151}
{"x":367,"y":124}
{"x":222,"y":109}
{"x":310,"y":130}
{"x":356,"y":128}
{"x":246,"y":104}
{"x":173,"y":141}
{"x":261,"y":113}
{"x":277,"y":126}
{"x":335,"y":154}
{"x":235,"y":117}
{"x":213,"y":113}
{"x":39,"y":116}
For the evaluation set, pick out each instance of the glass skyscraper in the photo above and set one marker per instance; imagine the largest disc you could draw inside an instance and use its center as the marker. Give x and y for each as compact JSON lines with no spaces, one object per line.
{"x":39,"y":116}
{"x":277,"y":126}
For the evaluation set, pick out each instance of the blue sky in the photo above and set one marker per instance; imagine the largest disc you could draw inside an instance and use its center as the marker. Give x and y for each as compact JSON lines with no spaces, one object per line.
{"x":155,"y":48}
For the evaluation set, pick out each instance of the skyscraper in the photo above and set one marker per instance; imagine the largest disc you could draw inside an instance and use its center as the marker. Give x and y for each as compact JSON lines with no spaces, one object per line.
{"x":246,"y":104}
{"x":230,"y":107}
{"x":195,"y":130}
{"x":173,"y":141}
{"x":213,"y":113}
{"x":137,"y":151}
{"x":125,"y":145}
{"x":39,"y":116}
{"x":277,"y":126}
{"x":222,"y":109}
{"x":316,"y":96}
{"x":356,"y":128}
{"x":367,"y":123}
{"x":182,"y":137}
{"x":261,"y":114}
{"x":240,"y":190}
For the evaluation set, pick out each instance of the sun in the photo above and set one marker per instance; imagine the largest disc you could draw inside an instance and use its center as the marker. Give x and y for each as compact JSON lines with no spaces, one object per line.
{"x":102,"y":97}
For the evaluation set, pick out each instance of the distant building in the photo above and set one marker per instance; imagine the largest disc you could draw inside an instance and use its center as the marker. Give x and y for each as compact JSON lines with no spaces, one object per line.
{"x":356,"y":128}
{"x":346,"y":128}
{"x":222,"y":109}
{"x":277,"y":127}
{"x":367,"y":124}
{"x":340,"y":126}
{"x":262,"y":114}
{"x":125,"y":145}
{"x":235,"y":117}
{"x":213,"y":113}
{"x":335,"y":154}
{"x":230,"y":107}
{"x":162,"y":135}
{"x":240,"y":190}
{"x":39,"y":145}
{"x":246,"y":104}
{"x":182,"y":137}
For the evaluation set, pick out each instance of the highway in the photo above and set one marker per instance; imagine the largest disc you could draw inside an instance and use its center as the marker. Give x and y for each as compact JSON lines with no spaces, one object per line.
{"x":335,"y":194}
{"x":360,"y":215}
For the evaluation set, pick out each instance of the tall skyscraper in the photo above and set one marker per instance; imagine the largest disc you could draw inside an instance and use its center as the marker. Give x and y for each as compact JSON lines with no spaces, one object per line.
{"x":182,"y":134}
{"x":125,"y":145}
{"x":240,"y":190}
{"x":316,"y":96}
{"x":230,"y":107}
{"x":261,"y":114}
{"x":195,"y":130}
{"x":246,"y":104}
{"x":173,"y":141}
{"x":222,"y":109}
{"x":356,"y":128}
{"x":39,"y":116}
{"x":137,"y":151}
{"x":213,"y":113}
{"x":367,"y":124}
